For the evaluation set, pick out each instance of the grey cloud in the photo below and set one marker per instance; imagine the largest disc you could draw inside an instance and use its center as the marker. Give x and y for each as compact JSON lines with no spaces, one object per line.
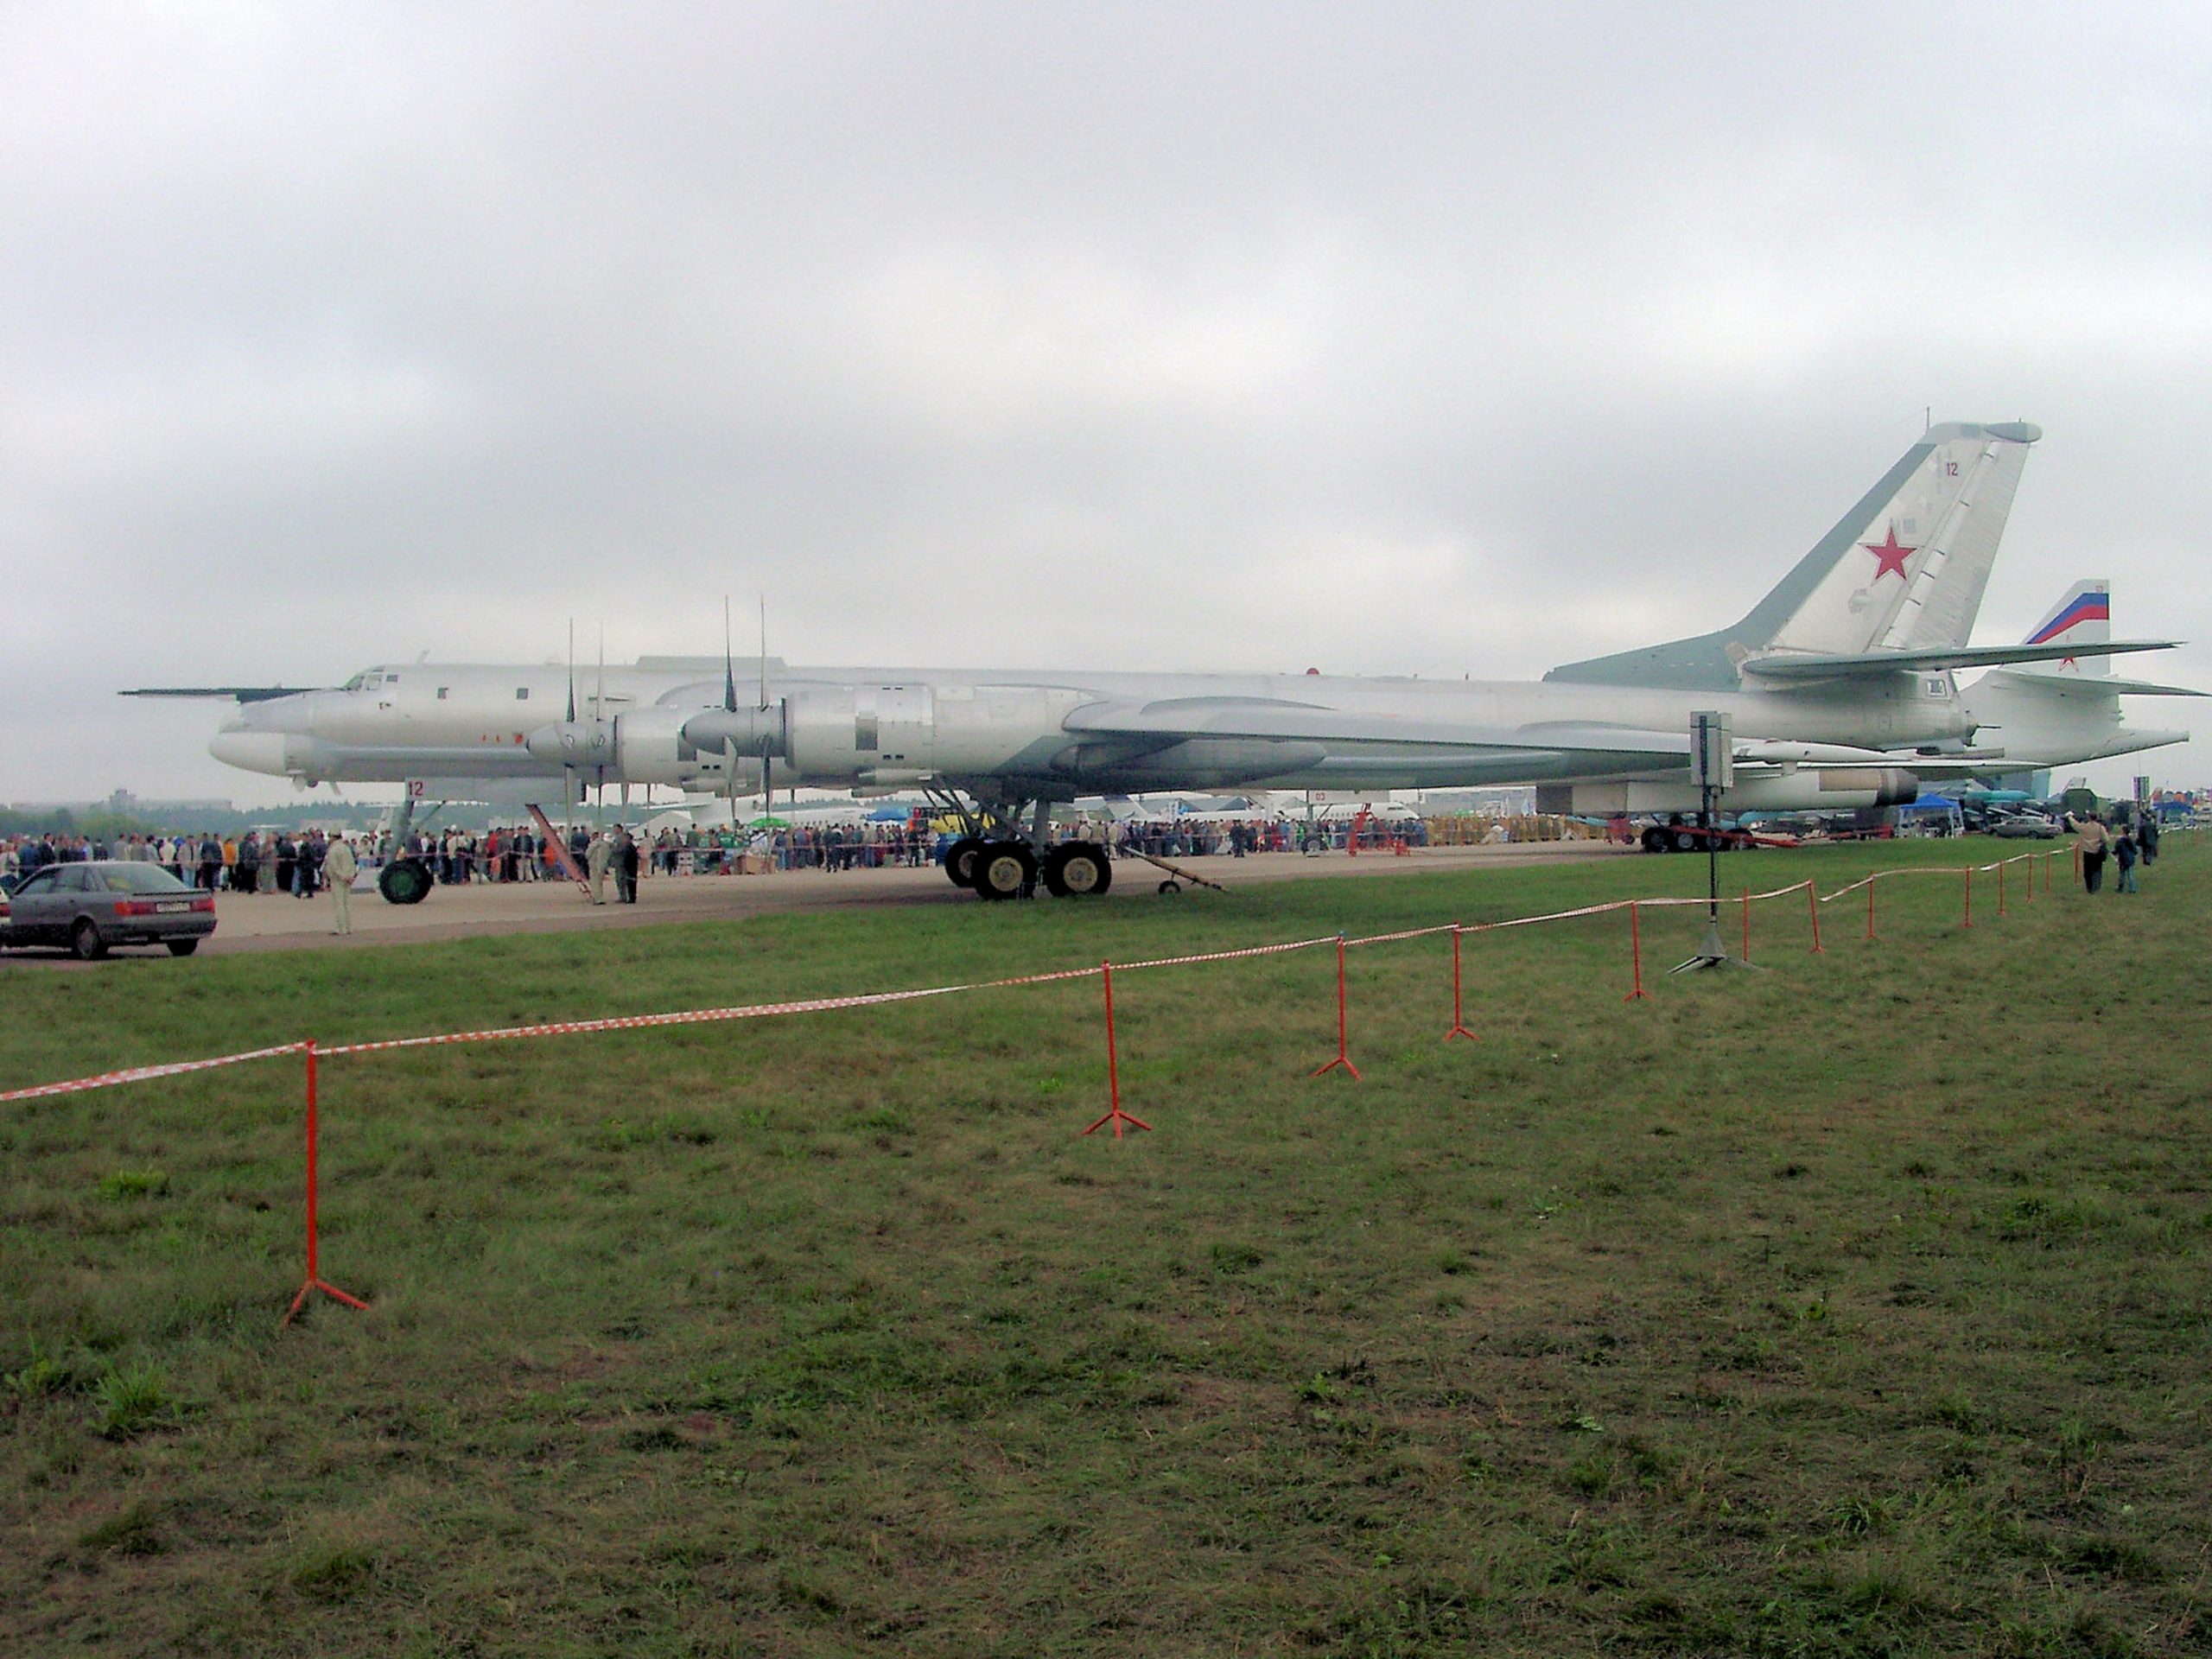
{"x":1423,"y":337}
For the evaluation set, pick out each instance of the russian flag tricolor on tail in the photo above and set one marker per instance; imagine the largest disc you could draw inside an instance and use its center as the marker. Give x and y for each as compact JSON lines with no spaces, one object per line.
{"x":2085,"y":604}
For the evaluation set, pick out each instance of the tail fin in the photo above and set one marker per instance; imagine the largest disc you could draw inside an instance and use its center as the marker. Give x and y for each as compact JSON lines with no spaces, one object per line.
{"x":2083,"y":617}
{"x":1932,"y":523}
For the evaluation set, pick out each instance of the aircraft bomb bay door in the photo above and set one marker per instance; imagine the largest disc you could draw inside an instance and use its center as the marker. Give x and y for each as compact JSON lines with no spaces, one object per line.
{"x":892,"y":726}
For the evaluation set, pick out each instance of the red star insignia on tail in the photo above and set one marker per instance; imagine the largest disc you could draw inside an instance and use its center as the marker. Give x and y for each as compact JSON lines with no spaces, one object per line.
{"x":1889,"y":556}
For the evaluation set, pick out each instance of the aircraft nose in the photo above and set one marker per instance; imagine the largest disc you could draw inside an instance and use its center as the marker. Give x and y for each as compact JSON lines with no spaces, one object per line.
{"x":250,"y":751}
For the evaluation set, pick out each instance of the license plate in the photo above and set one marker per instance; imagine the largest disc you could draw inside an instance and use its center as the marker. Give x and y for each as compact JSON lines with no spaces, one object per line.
{"x":172,"y":907}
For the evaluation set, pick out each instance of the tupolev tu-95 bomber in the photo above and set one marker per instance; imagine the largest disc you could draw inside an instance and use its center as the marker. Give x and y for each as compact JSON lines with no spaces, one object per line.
{"x":1841,"y":684}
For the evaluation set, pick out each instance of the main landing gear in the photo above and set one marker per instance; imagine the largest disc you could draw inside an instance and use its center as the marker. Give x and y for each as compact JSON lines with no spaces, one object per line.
{"x":998,"y":860}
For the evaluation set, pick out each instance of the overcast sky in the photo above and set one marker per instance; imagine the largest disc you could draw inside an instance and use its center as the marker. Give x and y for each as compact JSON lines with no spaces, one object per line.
{"x":1431,"y":338}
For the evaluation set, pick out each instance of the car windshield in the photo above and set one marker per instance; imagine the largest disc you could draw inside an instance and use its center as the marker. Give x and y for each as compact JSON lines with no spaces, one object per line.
{"x":137,"y":878}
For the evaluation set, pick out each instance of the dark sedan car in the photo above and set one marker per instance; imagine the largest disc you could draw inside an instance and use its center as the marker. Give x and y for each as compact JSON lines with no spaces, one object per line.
{"x":91,"y":905}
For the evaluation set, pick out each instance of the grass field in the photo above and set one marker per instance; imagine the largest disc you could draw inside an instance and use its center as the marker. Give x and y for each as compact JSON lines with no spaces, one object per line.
{"x":1859,"y":1307}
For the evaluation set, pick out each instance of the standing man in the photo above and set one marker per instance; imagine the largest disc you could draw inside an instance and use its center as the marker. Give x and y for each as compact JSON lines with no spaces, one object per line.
{"x":595,"y":862}
{"x":2092,"y":841}
{"x":338,"y":868}
{"x":626,"y":868}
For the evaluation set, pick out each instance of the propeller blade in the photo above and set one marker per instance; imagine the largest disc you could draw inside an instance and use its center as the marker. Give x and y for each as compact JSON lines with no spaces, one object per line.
{"x":572,"y":671}
{"x":729,"y":664}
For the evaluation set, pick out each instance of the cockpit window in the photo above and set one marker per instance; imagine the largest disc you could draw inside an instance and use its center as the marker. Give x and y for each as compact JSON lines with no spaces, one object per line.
{"x":355,"y":683}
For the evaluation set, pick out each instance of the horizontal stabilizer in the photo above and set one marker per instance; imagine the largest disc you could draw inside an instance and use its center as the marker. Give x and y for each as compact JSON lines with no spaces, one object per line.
{"x":2094,"y":685}
{"x":1874,"y":665}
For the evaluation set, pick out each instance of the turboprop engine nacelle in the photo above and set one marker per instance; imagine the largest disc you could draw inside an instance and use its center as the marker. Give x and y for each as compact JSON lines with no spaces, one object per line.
{"x":580,"y":743}
{"x":651,"y":746}
{"x":880,"y":735}
{"x":1802,"y":789}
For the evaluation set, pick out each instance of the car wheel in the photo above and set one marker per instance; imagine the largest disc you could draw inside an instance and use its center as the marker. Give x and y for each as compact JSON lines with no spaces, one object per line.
{"x":181,"y":947}
{"x":85,"y":940}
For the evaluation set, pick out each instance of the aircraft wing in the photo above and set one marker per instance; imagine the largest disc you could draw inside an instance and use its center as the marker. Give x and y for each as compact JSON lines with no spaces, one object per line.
{"x":236,"y":693}
{"x":1175,"y":720}
{"x":1873,"y":665}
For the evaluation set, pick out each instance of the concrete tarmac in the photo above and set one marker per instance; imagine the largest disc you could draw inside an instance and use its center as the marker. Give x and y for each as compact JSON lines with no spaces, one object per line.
{"x":279,"y":922}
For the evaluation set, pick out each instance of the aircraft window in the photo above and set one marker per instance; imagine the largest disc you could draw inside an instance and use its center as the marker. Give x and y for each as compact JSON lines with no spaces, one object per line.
{"x":355,"y":683}
{"x":441,"y":692}
{"x":522,"y":694}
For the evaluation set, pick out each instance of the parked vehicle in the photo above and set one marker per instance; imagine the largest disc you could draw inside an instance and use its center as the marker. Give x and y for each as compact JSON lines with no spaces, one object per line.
{"x":93,"y":905}
{"x":2035,"y":826}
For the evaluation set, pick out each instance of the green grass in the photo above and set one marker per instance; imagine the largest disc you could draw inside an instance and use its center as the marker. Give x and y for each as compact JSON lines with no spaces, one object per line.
{"x":1859,"y":1307}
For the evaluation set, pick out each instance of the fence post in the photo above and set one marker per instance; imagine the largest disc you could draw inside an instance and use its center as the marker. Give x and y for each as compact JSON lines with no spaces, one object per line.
{"x":1459,"y":1020}
{"x":1870,"y":880}
{"x":1813,"y":907}
{"x":1344,"y":1055}
{"x":1115,"y":1114}
{"x":314,"y":1279}
{"x":1634,"y":953}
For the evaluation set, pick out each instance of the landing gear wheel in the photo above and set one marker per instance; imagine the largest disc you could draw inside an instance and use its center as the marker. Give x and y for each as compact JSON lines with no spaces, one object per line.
{"x":404,"y":881}
{"x":181,"y":947}
{"x":1171,"y":887}
{"x":1655,"y":839}
{"x":1076,"y":869}
{"x":1685,"y":841}
{"x":960,"y":860}
{"x":1004,"y":869}
{"x":84,"y":941}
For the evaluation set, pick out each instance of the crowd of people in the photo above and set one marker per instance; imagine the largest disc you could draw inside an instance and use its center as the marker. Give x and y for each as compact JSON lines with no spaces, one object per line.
{"x":279,"y":862}
{"x":251,"y":863}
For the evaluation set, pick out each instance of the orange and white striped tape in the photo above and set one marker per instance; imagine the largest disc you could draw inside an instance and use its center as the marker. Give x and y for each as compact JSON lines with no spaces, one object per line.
{"x":146,"y":1073}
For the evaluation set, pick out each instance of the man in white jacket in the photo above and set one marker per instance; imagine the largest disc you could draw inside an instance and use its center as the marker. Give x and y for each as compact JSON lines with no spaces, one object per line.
{"x":338,"y":868}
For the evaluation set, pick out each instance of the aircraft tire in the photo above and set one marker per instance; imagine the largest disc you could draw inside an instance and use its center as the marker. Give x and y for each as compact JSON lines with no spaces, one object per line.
{"x":1655,"y":839}
{"x":1685,"y":841}
{"x":1078,"y":870}
{"x":1004,"y":869}
{"x":960,"y":860}
{"x":404,"y":881}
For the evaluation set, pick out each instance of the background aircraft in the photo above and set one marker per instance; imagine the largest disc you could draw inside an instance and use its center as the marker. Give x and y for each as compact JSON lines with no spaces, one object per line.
{"x":1840,"y":683}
